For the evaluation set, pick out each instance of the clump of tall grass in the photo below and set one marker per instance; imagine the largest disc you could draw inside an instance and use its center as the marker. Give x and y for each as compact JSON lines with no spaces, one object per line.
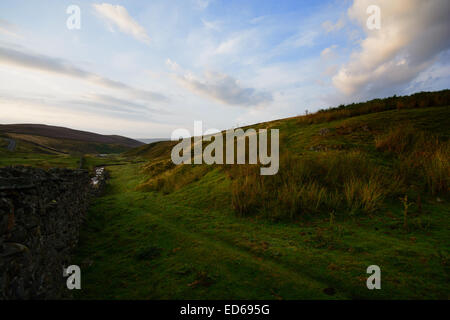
{"x":400,"y":140}
{"x":364,"y":194}
{"x":437,"y":170}
{"x":421,"y":157}
{"x":348,"y":181}
{"x":243,"y":200}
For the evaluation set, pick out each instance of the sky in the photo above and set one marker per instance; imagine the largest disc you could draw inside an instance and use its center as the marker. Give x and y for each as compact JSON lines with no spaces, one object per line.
{"x":145,"y":68}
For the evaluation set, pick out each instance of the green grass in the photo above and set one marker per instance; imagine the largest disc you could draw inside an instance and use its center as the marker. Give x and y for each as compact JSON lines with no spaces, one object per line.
{"x":38,"y":160}
{"x":190,"y":245}
{"x":46,"y":161}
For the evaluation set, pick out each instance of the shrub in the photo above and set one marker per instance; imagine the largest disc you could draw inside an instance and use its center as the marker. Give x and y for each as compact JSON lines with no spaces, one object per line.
{"x":365,"y":196}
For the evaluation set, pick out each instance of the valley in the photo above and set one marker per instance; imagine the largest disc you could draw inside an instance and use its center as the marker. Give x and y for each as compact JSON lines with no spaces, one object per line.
{"x":357,"y":186}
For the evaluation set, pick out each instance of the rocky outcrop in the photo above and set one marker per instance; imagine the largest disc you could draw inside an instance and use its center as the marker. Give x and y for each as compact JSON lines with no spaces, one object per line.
{"x":40,"y":216}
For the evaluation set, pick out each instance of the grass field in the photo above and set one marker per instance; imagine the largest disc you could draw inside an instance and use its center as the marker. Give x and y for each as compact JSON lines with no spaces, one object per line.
{"x":139,"y":245}
{"x":164,"y":232}
{"x":42,"y":160}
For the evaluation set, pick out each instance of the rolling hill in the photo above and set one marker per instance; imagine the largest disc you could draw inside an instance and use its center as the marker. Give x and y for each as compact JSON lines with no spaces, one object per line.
{"x":40,"y":138}
{"x":147,"y":141}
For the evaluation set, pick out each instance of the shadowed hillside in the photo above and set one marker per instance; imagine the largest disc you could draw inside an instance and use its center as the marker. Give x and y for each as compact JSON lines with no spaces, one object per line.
{"x":58,"y":140}
{"x":352,"y":158}
{"x":68,"y":134}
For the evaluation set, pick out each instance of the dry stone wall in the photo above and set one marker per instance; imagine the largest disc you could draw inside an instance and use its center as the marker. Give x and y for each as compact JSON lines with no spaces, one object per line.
{"x":40,"y":217}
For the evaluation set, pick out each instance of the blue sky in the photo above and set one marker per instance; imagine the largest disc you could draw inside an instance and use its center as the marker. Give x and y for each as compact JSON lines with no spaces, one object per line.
{"x":145,"y":68}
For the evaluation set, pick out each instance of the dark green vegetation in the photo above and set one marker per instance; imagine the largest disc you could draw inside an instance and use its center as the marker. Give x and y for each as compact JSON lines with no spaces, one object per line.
{"x":358,"y":185}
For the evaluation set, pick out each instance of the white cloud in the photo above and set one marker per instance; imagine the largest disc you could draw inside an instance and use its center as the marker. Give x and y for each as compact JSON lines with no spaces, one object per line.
{"x":8,"y":29}
{"x":413,"y":33}
{"x":211,"y":25}
{"x":330,"y":70}
{"x":202,"y":4}
{"x":46,"y":64}
{"x":237,"y":42}
{"x":301,"y":39}
{"x":224,"y":88}
{"x":328,"y":52}
{"x":331,"y":27}
{"x":305,"y":39}
{"x":229,"y":46}
{"x":118,"y":16}
{"x":257,"y":19}
{"x":172,"y":65}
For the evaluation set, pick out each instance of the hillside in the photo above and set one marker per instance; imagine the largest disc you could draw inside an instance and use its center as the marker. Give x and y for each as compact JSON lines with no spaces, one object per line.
{"x":359,"y":155}
{"x":37,"y":138}
{"x":147,"y":141}
{"x":68,"y":134}
{"x":358,"y":185}
{"x":292,"y":127}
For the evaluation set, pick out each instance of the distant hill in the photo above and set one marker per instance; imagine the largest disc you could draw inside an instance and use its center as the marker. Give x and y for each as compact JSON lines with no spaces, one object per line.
{"x":155,"y":150}
{"x":70,"y":134}
{"x":148,"y":141}
{"x":51,"y":139}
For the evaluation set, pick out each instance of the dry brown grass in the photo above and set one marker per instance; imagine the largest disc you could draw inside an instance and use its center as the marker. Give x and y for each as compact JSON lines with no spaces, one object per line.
{"x":437,"y":170}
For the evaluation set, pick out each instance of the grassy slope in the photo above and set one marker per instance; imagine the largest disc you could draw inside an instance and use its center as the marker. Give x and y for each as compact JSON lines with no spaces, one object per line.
{"x":190,"y":244}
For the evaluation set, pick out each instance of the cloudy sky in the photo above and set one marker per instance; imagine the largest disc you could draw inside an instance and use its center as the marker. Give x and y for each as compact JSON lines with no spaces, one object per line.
{"x":145,"y":68}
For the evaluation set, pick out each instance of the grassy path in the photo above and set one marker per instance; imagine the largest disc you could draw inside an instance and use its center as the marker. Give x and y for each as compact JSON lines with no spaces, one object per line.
{"x":189,"y":245}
